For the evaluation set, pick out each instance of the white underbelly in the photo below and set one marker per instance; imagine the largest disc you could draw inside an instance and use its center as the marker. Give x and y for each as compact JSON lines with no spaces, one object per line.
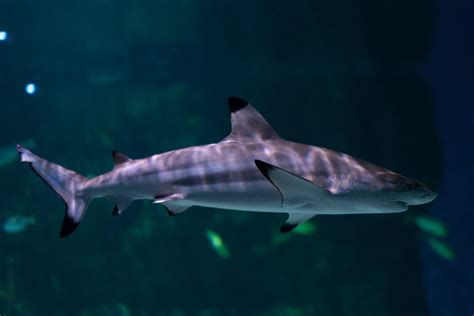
{"x":262,"y":196}
{"x":258,"y":196}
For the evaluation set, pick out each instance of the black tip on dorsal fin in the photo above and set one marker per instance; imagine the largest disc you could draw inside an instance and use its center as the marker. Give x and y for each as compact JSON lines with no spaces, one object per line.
{"x":236,"y":104}
{"x":69,"y":225}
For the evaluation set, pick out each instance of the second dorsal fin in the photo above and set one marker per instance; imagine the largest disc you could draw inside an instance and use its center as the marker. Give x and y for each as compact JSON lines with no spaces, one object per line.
{"x":119,"y":158}
{"x":247,"y":123}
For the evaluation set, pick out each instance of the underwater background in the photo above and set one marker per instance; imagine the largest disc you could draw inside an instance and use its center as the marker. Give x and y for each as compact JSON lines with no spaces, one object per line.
{"x":387,"y":81}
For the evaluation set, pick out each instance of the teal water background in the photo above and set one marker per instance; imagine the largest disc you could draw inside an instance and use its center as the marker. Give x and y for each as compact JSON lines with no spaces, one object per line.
{"x":145,"y":77}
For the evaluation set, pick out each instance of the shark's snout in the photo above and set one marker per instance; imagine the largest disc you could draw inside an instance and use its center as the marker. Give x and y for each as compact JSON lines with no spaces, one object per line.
{"x":409,"y":191}
{"x":429,"y":196}
{"x":419,"y":194}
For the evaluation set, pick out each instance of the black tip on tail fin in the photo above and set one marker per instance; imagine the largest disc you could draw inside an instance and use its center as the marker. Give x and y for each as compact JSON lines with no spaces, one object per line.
{"x":75,"y":210}
{"x":68,"y":226}
{"x":236,"y":104}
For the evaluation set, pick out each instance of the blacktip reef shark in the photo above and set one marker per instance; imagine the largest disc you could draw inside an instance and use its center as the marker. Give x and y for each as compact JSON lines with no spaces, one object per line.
{"x":252,"y":169}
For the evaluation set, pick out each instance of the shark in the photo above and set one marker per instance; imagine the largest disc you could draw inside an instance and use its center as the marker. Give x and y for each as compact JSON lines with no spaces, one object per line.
{"x":252,"y":169}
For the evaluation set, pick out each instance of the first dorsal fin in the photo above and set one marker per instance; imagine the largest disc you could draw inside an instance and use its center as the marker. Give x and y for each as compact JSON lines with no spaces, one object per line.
{"x":119,"y":158}
{"x":247,"y":123}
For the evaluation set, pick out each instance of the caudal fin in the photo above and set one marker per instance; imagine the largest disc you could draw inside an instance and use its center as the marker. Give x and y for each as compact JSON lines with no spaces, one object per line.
{"x":66,"y":183}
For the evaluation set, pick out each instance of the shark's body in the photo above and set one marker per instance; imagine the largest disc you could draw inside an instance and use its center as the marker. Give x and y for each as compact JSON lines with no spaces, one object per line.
{"x":252,"y":169}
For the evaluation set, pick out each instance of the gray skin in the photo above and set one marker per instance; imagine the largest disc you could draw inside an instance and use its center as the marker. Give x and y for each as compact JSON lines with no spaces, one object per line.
{"x":252,"y":169}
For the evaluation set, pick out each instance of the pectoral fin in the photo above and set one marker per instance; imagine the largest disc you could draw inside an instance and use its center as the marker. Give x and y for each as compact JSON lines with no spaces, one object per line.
{"x":174,"y":209}
{"x":294,"y":219}
{"x":295,"y":191}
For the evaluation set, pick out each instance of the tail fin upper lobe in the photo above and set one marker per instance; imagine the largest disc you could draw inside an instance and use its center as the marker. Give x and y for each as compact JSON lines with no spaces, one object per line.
{"x":66,"y":183}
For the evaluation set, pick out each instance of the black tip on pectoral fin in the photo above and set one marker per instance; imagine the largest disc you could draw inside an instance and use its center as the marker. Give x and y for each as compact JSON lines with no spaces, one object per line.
{"x":236,"y":104}
{"x":169,"y":211}
{"x":285,"y":228}
{"x":68,"y":226}
{"x":115,"y":211}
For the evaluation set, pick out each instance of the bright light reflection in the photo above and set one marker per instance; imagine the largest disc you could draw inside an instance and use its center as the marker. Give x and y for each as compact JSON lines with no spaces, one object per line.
{"x":30,"y":88}
{"x":3,"y":36}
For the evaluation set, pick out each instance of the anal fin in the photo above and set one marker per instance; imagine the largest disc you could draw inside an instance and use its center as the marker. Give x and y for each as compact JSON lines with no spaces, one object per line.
{"x":294,"y":219}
